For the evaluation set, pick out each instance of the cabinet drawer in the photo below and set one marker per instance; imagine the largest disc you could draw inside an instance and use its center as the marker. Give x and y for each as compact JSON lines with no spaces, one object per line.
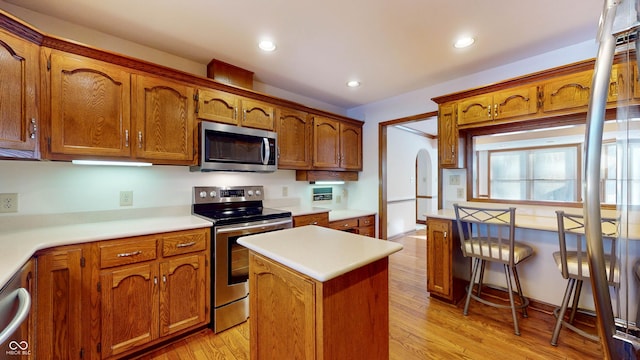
{"x":321,"y":219}
{"x":344,"y":224}
{"x":183,"y":243}
{"x":127,"y":251}
{"x":367,"y":220}
{"x":367,"y":231}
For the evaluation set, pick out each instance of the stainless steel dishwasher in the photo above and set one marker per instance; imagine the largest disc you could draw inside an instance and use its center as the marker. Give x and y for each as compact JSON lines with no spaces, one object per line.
{"x":15,"y":325}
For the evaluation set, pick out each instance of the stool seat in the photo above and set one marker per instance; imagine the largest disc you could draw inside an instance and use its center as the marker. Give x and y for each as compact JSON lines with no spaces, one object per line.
{"x":578,"y":266}
{"x":487,"y":235}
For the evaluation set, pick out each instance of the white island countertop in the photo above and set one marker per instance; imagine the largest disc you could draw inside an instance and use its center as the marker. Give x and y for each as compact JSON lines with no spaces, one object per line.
{"x":319,"y":252}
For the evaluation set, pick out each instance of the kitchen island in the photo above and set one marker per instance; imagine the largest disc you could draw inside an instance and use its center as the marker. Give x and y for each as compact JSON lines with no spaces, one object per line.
{"x":318,"y":293}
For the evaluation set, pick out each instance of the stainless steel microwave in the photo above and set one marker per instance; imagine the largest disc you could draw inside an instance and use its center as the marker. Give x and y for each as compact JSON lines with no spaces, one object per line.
{"x":233,"y":148}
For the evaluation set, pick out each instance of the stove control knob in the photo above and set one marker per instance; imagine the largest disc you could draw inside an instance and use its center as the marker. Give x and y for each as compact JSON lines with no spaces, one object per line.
{"x":203,"y":194}
{"x":258,"y":192}
{"x":213,"y":194}
{"x":250,"y":192}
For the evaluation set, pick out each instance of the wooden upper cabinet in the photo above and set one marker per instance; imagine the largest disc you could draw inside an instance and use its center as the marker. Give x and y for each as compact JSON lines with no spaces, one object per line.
{"x":164,"y":120}
{"x":567,"y":92}
{"x":326,"y":143}
{"x":216,"y":105}
{"x":294,"y":139}
{"x":257,"y":114}
{"x":336,"y":145}
{"x":503,"y":104}
{"x":447,"y":136}
{"x":90,"y":106}
{"x":350,"y":147}
{"x":18,"y":93}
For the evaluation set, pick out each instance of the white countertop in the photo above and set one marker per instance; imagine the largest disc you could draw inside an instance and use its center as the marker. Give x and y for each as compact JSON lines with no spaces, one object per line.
{"x":319,"y":252}
{"x":21,"y":237}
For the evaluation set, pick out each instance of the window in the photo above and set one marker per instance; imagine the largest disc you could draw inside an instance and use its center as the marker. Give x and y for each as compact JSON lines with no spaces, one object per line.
{"x":545,"y":165}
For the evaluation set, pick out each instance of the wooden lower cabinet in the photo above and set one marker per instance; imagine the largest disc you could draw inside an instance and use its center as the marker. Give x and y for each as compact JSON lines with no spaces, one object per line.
{"x":447,"y":269}
{"x":293,"y":316}
{"x":144,"y":303}
{"x":363,"y":225}
{"x":113,"y":298}
{"x":320,"y":219}
{"x":63,"y":322}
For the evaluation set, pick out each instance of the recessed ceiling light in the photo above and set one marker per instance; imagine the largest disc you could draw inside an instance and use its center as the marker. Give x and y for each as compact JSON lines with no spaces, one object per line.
{"x":353,"y":83}
{"x":464,"y":42}
{"x":267,"y":45}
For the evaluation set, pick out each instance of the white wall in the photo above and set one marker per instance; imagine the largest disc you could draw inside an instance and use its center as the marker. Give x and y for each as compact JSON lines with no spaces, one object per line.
{"x":402,"y":150}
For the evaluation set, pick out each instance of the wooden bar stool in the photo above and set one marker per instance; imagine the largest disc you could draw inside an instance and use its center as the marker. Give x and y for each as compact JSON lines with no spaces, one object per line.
{"x":487,"y":235}
{"x":573,"y":263}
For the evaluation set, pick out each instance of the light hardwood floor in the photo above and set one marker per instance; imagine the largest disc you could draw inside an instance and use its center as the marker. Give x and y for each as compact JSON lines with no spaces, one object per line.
{"x":420,"y":327}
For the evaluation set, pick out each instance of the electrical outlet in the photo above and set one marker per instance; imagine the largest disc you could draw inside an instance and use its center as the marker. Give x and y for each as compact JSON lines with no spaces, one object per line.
{"x":9,"y":203}
{"x":285,"y":191}
{"x":338,"y":199}
{"x":460,"y":193}
{"x":126,"y":198}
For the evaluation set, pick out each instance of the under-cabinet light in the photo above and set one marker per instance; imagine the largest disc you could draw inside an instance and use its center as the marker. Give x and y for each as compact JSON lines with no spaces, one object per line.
{"x":109,"y":163}
{"x":326,"y":182}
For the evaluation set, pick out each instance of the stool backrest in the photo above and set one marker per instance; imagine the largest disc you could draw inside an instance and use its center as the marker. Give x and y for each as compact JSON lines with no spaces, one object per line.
{"x":486,"y":233}
{"x":572,"y":240}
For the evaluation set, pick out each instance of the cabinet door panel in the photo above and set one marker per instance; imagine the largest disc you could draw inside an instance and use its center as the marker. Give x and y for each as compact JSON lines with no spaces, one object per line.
{"x":58,"y":304}
{"x":439,"y":249}
{"x":567,"y":92}
{"x":18,"y":84}
{"x":294,"y":139}
{"x":515,"y":102}
{"x":164,"y":120}
{"x":90,"y":105}
{"x":257,"y":114}
{"x":218,"y":106}
{"x":183,"y":293}
{"x":475,"y":109}
{"x":326,"y":143}
{"x":447,"y":136}
{"x":350,"y":147}
{"x":281,"y":328}
{"x":129,"y":307}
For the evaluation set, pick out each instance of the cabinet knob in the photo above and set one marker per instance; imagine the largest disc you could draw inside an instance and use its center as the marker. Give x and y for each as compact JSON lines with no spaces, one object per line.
{"x":126,"y":138}
{"x":445,"y":234}
{"x":140,"y":139}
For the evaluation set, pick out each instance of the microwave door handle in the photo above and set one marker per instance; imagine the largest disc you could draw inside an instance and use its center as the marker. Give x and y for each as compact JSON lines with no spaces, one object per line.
{"x":265,"y":151}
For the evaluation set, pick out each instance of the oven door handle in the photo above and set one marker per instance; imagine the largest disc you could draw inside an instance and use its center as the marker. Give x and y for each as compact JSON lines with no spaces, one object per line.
{"x":229,"y":229}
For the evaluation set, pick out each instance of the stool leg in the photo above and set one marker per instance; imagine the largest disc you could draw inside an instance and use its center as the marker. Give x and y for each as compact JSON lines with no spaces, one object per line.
{"x":519,"y":288}
{"x":563,"y":309}
{"x":507,"y":273}
{"x":476,"y":264}
{"x":481,"y":280}
{"x":576,"y":299}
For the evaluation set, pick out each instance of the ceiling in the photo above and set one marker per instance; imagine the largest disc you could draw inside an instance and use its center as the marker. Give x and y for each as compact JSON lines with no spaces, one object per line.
{"x":390,"y":46}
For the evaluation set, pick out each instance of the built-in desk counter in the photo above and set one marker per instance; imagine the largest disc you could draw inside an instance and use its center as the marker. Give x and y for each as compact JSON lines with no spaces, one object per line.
{"x":541,"y":280}
{"x":318,"y":293}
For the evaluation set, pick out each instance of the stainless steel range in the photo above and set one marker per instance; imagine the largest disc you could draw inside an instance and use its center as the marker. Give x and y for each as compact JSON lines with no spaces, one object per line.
{"x":235,"y":211}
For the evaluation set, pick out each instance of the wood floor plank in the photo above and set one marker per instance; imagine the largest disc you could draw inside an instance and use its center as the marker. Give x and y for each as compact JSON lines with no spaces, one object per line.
{"x":421,"y":327}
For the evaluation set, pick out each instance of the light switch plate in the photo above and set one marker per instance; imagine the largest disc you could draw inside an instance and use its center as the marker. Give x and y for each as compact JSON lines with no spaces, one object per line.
{"x":9,"y":203}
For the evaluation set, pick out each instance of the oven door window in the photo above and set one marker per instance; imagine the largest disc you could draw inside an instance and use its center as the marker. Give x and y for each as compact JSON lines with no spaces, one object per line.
{"x":238,"y":263}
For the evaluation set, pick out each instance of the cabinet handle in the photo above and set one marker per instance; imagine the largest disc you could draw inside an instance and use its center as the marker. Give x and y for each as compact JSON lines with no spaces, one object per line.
{"x":155,"y":280}
{"x":184,"y":245}
{"x":164,"y":279}
{"x":134,"y":253}
{"x":452,"y":150}
{"x":495,"y":111}
{"x":235,"y":113}
{"x":140,"y":139}
{"x":314,"y":223}
{"x":34,"y":128}
{"x":126,"y":138}
{"x":489,"y":111}
{"x":244,"y":115}
{"x":445,"y":234}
